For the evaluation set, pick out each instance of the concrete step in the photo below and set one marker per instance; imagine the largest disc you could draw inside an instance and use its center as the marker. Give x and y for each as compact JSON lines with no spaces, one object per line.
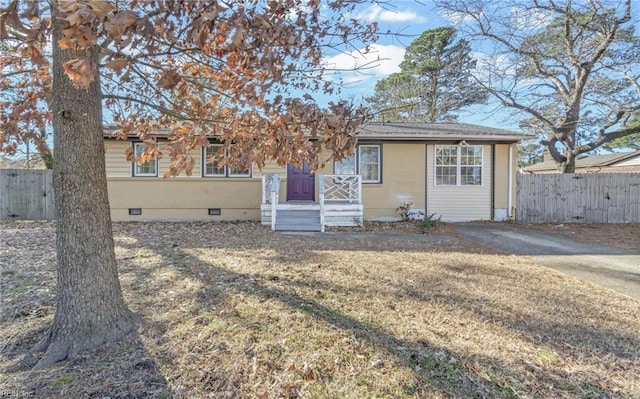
{"x":298,"y":227}
{"x":298,"y":220}
{"x":298,"y":212}
{"x":295,"y":219}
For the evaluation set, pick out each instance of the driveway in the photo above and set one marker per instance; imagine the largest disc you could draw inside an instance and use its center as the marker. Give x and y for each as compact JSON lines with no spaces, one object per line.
{"x":613,"y":268}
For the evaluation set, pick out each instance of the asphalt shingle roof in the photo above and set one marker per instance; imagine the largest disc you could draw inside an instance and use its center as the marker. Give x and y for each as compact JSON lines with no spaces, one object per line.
{"x":587,"y":162}
{"x":423,"y":131}
{"x":449,"y":131}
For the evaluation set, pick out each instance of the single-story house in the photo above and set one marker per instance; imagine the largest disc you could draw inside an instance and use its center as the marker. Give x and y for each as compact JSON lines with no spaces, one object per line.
{"x":460,"y":172}
{"x":621,"y":162}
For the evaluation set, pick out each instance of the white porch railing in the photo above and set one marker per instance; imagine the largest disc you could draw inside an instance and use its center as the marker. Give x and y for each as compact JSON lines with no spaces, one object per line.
{"x":342,"y":188}
{"x":267,"y":183}
{"x":341,"y":191}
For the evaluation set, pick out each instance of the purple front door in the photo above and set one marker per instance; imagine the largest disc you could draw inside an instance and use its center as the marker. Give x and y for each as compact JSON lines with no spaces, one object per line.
{"x":300,"y":183}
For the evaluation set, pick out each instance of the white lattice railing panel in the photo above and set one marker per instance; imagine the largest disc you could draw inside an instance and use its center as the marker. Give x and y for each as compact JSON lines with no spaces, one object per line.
{"x":342,"y":188}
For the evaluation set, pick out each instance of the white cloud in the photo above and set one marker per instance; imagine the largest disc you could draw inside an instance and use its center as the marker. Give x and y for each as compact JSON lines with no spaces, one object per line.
{"x":379,"y":62}
{"x":376,"y":13}
{"x":459,"y":18}
{"x":529,"y":19}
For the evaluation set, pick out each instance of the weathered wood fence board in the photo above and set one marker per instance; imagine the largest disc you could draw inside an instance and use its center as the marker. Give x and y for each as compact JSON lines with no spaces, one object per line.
{"x":26,"y":194}
{"x":582,"y":198}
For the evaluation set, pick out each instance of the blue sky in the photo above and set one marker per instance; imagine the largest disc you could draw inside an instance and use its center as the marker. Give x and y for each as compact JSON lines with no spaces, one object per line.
{"x":407,"y":19}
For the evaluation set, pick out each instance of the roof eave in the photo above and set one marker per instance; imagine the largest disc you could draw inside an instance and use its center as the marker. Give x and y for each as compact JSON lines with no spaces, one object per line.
{"x":448,"y":137}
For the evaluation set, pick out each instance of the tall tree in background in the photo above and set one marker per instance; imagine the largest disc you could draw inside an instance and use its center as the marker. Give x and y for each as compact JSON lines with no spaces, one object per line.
{"x":630,"y":142}
{"x":571,"y":66}
{"x":202,"y":70}
{"x":435,"y":81}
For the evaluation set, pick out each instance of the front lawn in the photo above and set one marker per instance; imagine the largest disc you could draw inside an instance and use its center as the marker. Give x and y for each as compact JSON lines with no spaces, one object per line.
{"x":232,"y":311}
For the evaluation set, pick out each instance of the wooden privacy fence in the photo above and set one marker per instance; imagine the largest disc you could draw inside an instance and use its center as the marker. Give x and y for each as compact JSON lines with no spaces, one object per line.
{"x":26,"y":194}
{"x":585,"y":198}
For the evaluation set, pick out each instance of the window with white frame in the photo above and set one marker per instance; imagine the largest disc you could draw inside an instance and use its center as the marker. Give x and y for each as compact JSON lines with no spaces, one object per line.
{"x":366,"y":162}
{"x":458,"y":165}
{"x":147,"y":168}
{"x":210,"y":167}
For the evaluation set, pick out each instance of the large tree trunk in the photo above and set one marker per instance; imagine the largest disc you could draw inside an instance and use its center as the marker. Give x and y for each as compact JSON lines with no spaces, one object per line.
{"x":90,"y":309}
{"x":569,"y":166}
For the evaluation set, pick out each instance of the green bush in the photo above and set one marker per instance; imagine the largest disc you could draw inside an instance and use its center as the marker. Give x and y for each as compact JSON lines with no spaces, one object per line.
{"x":429,"y":222}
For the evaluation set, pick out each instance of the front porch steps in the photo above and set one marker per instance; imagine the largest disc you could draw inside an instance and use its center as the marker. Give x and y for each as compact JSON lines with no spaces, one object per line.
{"x":335,"y":214}
{"x":298,"y":220}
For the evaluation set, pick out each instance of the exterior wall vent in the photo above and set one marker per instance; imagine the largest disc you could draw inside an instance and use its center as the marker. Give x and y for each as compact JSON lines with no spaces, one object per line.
{"x":135,"y":211}
{"x":215,"y":212}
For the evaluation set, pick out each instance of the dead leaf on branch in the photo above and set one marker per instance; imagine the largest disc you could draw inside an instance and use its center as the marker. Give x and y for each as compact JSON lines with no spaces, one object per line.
{"x":68,"y":6}
{"x":117,"y":64}
{"x":78,"y":17}
{"x":169,"y":79}
{"x":118,"y":23}
{"x":80,"y":72}
{"x":34,"y":54}
{"x":100,"y":8}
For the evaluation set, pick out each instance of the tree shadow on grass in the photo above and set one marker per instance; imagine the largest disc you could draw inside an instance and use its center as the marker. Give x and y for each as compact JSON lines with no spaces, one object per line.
{"x":568,"y":329}
{"x":435,"y":368}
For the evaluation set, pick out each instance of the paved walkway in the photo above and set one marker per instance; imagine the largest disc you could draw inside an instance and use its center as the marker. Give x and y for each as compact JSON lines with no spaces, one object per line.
{"x":362,"y":235}
{"x":613,"y":268}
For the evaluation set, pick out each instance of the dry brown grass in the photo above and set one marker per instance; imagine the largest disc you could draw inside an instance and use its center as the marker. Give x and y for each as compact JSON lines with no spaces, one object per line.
{"x":232,"y":311}
{"x":617,"y":235}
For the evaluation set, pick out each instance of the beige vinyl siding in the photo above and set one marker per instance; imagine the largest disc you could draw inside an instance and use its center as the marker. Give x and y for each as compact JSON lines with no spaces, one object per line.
{"x":459,"y":203}
{"x":403,"y":177}
{"x":115,"y":161}
{"x":270,"y":167}
{"x":117,"y":165}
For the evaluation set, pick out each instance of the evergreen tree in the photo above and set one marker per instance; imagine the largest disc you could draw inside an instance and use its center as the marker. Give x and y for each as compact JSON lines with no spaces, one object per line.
{"x":435,"y":81}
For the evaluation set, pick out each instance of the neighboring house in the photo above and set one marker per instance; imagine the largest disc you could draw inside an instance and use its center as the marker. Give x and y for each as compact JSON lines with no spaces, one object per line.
{"x":458,"y":171}
{"x":622,"y":162}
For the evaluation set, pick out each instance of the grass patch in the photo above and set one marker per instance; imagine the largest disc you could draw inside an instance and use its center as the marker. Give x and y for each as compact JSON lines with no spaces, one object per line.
{"x":64,"y":379}
{"x":232,"y":310}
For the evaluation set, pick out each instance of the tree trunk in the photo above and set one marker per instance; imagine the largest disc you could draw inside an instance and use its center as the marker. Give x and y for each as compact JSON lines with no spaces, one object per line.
{"x":569,"y":165}
{"x":90,"y":309}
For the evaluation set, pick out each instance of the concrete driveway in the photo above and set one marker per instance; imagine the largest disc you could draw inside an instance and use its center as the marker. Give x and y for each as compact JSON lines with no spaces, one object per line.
{"x":613,"y":268}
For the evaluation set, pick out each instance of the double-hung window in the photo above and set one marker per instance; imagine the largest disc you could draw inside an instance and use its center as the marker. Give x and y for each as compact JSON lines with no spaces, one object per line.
{"x":458,"y":165}
{"x":366,"y":162}
{"x":147,"y":168}
{"x":210,"y":168}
